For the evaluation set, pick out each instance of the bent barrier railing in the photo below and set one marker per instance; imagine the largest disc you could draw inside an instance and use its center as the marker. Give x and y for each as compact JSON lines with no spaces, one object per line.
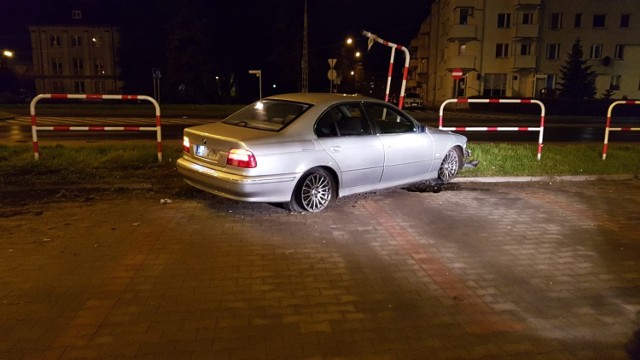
{"x":35,"y":127}
{"x":609,"y":128}
{"x":497,"y":128}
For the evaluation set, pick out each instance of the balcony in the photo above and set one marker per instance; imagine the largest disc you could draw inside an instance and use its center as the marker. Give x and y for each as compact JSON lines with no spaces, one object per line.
{"x":528,"y":3}
{"x":524,"y":62}
{"x":464,"y":3}
{"x":463,"y":32}
{"x":527,"y":31}
{"x":464,"y":62}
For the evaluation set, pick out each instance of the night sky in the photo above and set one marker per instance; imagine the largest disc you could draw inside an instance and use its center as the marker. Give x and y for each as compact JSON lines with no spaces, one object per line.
{"x":251,"y":32}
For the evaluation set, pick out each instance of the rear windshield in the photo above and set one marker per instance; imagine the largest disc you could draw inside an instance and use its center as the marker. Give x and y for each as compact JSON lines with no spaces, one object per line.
{"x":271,"y":115}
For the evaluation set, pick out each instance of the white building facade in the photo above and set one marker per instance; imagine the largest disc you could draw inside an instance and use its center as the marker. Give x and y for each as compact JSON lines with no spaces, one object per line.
{"x":515,"y":48}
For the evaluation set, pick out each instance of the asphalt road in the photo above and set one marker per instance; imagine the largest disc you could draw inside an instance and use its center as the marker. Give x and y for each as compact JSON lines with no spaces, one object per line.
{"x":556,"y":129}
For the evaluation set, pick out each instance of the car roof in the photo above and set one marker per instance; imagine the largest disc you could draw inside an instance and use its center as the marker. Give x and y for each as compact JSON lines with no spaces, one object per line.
{"x":321,"y":98}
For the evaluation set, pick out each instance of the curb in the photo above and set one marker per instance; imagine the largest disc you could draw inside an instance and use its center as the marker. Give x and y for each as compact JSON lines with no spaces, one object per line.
{"x":550,"y":178}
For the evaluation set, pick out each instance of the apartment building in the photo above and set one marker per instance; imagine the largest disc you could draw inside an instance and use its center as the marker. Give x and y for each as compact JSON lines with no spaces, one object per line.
{"x":515,"y":48}
{"x":75,"y":52}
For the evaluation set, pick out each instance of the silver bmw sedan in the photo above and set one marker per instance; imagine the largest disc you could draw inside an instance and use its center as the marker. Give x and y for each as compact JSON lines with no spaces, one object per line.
{"x":306,"y":149}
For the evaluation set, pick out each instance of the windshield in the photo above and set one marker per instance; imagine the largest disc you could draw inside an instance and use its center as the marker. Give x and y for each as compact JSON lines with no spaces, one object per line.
{"x":271,"y":115}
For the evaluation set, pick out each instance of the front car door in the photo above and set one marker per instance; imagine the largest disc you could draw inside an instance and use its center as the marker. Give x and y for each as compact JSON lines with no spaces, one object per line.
{"x":408,"y":152}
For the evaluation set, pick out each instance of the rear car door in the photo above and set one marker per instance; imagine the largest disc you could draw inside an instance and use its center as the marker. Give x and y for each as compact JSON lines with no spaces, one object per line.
{"x":347,"y":137}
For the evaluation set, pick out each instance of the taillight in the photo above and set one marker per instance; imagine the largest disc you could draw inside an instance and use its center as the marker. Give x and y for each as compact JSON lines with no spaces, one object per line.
{"x":241,"y":158}
{"x":186,"y":147}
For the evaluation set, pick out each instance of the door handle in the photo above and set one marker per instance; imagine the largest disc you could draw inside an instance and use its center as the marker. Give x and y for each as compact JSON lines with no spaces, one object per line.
{"x":335,"y":148}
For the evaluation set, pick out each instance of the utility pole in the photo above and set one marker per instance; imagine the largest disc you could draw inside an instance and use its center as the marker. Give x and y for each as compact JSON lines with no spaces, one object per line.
{"x":305,"y":54}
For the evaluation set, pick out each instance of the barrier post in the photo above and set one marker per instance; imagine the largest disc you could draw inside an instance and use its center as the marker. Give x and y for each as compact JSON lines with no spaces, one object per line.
{"x":35,"y":127}
{"x":497,"y":128}
{"x":608,"y":125}
{"x":405,"y":71}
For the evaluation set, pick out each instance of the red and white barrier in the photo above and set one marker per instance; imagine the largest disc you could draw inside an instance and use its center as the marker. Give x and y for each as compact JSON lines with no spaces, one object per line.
{"x":497,"y":128}
{"x":609,"y":128}
{"x":405,"y":71}
{"x":35,"y":127}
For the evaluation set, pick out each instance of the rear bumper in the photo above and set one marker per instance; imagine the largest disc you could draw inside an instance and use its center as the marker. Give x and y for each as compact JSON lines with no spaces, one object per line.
{"x":276,"y":188}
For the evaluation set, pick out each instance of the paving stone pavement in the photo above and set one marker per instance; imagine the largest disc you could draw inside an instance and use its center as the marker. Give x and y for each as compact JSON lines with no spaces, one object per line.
{"x":477,"y":271}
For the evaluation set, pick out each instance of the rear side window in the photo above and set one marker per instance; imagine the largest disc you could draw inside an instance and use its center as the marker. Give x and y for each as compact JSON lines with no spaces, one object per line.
{"x":343,"y":120}
{"x":388,"y":120}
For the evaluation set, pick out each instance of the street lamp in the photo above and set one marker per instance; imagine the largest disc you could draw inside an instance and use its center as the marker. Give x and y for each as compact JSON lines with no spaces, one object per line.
{"x":7,"y":53}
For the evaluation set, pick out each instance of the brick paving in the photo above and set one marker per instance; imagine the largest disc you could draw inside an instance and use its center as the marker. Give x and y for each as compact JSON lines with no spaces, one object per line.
{"x":477,"y":271}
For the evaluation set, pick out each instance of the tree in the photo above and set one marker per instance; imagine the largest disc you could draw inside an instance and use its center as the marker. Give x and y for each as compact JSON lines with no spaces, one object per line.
{"x":577,"y":80}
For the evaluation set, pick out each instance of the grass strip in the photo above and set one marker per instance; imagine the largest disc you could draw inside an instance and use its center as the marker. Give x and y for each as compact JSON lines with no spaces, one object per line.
{"x":117,"y":163}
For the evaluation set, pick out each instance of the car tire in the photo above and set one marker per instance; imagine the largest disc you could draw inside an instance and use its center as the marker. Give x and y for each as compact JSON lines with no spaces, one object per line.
{"x":450,"y":165}
{"x":313,"y":193}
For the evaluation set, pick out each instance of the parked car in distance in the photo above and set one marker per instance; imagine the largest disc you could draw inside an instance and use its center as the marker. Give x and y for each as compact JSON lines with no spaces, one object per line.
{"x":305,"y":150}
{"x":413,"y":101}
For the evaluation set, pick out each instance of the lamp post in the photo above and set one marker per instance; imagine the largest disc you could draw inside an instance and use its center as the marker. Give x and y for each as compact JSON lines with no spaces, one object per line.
{"x":258,"y":73}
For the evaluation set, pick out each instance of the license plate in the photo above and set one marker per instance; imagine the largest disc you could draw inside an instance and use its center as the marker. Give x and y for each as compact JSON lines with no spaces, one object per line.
{"x":202,"y":151}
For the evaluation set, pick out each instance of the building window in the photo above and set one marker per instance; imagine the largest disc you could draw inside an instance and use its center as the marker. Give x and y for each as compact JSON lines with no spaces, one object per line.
{"x":56,"y":66}
{"x":577,"y":22}
{"x":595,"y":51}
{"x":527,"y":18}
{"x":462,"y":49}
{"x":54,"y":41}
{"x":504,"y":20}
{"x":553,"y":51}
{"x":97,"y":41}
{"x":495,"y":85}
{"x":502,"y":50}
{"x":615,"y":82}
{"x":78,"y":66}
{"x":99,"y":87}
{"x":619,"y":52}
{"x":57,"y":87}
{"x":78,"y":86}
{"x":525,"y":49}
{"x":599,"y":20}
{"x":76,"y":40}
{"x":98,"y":66}
{"x":465,"y":13}
{"x":555,"y":22}
{"x":625,"y":20}
{"x":76,"y":14}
